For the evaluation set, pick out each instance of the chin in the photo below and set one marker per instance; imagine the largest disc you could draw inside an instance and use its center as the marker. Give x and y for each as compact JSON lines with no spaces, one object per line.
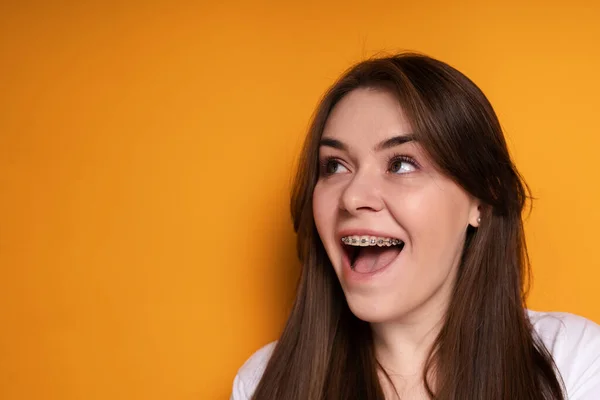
{"x":371,"y":310}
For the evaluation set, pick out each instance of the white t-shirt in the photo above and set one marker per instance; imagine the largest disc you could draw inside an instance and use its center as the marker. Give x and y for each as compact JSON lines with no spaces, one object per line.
{"x":573,"y":341}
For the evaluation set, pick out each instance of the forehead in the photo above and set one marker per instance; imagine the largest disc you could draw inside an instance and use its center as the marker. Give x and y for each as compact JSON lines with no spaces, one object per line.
{"x":366,"y":115}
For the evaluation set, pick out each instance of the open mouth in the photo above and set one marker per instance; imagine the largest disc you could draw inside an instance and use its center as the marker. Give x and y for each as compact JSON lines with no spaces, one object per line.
{"x":368,"y":254}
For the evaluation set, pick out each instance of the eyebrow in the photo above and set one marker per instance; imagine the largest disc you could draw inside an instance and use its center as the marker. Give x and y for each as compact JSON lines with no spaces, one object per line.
{"x":386,"y":144}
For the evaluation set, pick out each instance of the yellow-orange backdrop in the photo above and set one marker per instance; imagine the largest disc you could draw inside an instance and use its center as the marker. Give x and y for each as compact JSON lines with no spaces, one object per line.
{"x":146,"y":151}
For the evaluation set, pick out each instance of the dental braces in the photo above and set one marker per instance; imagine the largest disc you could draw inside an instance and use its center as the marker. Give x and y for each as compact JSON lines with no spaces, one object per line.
{"x":372,"y":241}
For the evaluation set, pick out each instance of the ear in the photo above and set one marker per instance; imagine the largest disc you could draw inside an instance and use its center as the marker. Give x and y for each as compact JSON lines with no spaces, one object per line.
{"x":475,"y":213}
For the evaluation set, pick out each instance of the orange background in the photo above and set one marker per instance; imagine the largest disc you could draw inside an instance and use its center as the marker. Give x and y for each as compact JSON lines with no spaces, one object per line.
{"x":146,"y":152}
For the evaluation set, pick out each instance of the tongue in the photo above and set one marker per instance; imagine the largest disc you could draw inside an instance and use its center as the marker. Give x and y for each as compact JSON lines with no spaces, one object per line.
{"x":371,"y":259}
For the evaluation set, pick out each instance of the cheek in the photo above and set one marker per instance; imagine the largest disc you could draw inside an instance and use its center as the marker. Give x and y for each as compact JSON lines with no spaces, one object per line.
{"x":323,"y":211}
{"x":325,"y":214}
{"x":434,"y":216}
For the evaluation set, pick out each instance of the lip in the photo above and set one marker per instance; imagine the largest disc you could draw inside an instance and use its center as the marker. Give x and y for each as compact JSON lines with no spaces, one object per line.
{"x":350,"y":275}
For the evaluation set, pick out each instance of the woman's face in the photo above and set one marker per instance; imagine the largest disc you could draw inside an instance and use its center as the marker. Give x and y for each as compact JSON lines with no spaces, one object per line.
{"x":393,"y":226}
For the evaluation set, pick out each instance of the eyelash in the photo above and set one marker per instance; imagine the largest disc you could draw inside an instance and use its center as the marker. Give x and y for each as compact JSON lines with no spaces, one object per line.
{"x":394,"y":158}
{"x":324,"y":163}
{"x":404,"y":158}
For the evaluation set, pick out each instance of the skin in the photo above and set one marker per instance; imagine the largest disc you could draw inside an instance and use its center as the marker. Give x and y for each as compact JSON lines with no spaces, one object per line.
{"x":363,"y":188}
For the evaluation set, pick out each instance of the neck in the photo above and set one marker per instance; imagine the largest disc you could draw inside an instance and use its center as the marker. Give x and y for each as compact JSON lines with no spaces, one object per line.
{"x":402,"y":346}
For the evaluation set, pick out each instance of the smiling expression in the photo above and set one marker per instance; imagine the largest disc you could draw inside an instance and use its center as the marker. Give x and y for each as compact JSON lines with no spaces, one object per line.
{"x":376,"y":181}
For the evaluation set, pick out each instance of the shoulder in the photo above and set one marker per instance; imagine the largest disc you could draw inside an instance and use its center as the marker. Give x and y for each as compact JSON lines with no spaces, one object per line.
{"x":248,"y":376}
{"x":559,"y":330}
{"x":574,"y":343}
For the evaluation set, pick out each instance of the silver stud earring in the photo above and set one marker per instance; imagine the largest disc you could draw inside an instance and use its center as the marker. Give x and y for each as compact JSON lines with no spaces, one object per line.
{"x":478,"y":220}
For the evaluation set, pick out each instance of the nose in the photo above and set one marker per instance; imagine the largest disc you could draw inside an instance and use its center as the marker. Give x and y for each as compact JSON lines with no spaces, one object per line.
{"x":361,"y":194}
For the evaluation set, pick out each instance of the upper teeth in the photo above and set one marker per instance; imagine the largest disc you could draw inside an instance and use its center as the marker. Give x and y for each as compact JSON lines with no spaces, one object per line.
{"x":370,"y":241}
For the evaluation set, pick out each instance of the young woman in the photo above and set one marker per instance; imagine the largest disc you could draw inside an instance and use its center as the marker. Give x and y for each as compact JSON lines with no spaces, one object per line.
{"x":407,"y":208}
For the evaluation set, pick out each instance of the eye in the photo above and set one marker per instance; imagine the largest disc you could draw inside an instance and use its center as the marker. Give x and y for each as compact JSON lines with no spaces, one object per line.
{"x":332,"y":166}
{"x":402,"y":165}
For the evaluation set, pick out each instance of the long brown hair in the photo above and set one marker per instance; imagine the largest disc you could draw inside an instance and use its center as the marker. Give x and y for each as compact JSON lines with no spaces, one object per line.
{"x":486,"y":349}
